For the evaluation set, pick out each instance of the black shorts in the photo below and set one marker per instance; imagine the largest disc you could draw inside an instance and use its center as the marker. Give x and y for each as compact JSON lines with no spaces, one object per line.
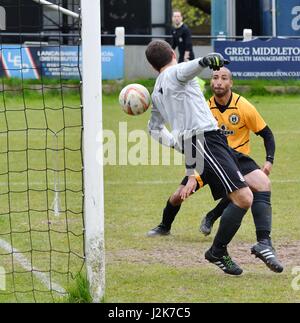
{"x":221,"y":167}
{"x":246,"y":164}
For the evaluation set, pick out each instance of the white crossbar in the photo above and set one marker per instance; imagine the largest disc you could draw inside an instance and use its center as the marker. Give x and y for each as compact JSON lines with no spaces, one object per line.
{"x":53,"y":6}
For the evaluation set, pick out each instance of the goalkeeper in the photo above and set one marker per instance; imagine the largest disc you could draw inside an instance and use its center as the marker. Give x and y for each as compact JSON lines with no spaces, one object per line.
{"x":177,"y":100}
{"x":236,"y":118}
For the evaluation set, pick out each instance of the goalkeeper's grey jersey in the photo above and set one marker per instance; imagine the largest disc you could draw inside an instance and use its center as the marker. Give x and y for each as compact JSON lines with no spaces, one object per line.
{"x":178,"y":101}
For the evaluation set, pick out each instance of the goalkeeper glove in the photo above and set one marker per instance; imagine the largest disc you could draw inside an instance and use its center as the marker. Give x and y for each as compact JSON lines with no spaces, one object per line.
{"x":214,"y":61}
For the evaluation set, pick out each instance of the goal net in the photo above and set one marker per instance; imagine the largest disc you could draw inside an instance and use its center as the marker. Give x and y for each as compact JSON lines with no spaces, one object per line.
{"x":41,"y":159}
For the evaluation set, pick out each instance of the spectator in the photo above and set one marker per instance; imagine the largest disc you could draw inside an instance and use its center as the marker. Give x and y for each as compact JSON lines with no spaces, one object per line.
{"x":181,"y":38}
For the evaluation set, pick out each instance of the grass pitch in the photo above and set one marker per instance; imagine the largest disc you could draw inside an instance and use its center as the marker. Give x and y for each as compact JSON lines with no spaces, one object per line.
{"x":173,"y":269}
{"x":40,"y":194}
{"x":138,"y":269}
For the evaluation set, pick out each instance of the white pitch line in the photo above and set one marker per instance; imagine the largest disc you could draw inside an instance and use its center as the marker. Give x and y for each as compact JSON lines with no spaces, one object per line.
{"x":161,"y":182}
{"x":286,"y":132}
{"x":34,"y":183}
{"x":285,"y":181}
{"x":27,"y":266}
{"x":155,"y":182}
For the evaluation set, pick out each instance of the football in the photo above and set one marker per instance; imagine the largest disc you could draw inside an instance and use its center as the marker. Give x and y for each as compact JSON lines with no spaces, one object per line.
{"x":134,"y":99}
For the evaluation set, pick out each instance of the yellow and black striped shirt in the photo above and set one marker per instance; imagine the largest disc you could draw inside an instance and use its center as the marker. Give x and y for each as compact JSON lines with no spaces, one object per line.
{"x":237,"y":120}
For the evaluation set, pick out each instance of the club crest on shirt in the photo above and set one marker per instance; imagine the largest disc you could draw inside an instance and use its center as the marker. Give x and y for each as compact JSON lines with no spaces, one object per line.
{"x":234,"y":118}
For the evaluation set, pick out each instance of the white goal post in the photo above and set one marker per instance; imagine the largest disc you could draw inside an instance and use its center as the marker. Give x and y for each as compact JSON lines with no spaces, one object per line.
{"x":92,"y":148}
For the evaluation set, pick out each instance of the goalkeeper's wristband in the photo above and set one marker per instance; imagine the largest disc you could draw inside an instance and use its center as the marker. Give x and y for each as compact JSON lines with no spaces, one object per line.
{"x":202,"y":63}
{"x":270,"y":159}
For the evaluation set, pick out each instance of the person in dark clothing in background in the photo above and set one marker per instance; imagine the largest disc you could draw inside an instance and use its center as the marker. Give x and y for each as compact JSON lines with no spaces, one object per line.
{"x":181,"y":38}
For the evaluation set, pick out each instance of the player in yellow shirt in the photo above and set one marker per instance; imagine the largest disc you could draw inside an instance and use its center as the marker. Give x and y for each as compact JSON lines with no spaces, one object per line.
{"x":236,"y":118}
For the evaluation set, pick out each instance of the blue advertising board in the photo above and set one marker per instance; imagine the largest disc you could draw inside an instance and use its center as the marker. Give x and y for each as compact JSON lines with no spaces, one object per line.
{"x":56,"y":62}
{"x":288,"y":17}
{"x":275,"y":58}
{"x":112,"y":63}
{"x":18,"y":62}
{"x":61,"y":61}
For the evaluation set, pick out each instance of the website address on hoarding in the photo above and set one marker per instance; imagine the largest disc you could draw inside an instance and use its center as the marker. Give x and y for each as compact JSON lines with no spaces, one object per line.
{"x":267,"y":74}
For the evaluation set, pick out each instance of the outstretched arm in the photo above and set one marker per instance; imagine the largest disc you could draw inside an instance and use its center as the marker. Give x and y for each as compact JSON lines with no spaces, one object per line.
{"x":188,"y":70}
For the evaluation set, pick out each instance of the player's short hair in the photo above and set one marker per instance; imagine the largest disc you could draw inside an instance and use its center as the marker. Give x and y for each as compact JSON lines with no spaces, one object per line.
{"x":159,"y":53}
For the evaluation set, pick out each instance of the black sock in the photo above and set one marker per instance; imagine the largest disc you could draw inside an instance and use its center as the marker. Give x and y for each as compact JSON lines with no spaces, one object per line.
{"x":229,"y":224}
{"x":215,"y":213}
{"x":262,"y":214}
{"x":169,"y":214}
{"x":263,"y":235}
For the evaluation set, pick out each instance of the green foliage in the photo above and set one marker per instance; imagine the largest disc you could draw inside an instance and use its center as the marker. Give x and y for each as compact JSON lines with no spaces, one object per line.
{"x":79,"y":293}
{"x":192,"y":16}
